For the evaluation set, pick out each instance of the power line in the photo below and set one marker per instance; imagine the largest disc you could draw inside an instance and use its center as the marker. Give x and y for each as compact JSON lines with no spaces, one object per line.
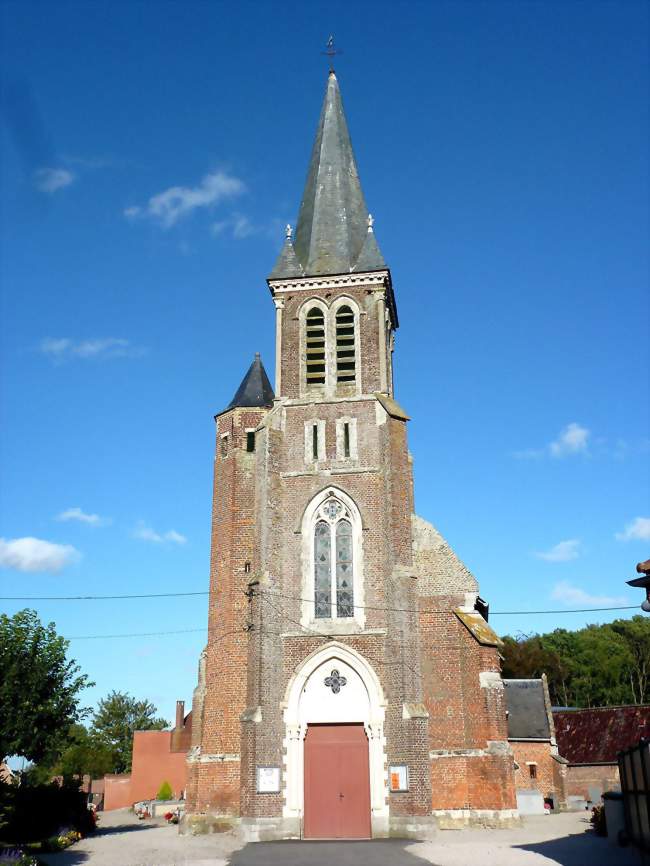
{"x":425,"y":610}
{"x":156,"y":634}
{"x":99,"y":597}
{"x":299,"y":598}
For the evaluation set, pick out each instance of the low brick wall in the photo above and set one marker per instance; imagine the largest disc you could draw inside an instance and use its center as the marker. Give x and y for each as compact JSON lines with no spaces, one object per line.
{"x":581,"y":778}
{"x":117,"y":792}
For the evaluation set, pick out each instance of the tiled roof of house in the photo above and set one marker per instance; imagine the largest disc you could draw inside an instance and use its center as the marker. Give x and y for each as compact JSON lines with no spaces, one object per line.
{"x":596,"y":735}
{"x":527,"y":715}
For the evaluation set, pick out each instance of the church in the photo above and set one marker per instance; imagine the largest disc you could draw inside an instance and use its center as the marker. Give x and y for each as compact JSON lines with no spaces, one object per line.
{"x":350,"y":686}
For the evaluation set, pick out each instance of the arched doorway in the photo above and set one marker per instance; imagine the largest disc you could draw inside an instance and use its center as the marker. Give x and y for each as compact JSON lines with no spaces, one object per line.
{"x":335,"y":746}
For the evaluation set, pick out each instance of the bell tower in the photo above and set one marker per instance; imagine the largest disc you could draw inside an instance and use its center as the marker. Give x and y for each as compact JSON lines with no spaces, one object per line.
{"x":349,"y":687}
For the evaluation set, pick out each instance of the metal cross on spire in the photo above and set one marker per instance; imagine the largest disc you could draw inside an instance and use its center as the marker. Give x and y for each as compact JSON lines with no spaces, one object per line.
{"x":331,"y":52}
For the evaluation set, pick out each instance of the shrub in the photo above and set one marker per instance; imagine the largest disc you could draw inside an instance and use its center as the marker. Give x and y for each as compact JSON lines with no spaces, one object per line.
{"x":165,"y":792}
{"x":31,"y":813}
{"x":598,"y":820}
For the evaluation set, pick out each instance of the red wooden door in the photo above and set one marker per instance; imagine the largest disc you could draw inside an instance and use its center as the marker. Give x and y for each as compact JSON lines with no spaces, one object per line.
{"x":337,"y":782}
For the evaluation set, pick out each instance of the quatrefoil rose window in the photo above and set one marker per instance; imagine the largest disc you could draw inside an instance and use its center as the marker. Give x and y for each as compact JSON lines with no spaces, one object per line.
{"x":333,"y":566}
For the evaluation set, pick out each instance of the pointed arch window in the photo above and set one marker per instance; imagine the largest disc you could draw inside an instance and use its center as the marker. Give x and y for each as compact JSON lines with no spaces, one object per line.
{"x":333,"y":562}
{"x":315,"y":347}
{"x":345,"y":346}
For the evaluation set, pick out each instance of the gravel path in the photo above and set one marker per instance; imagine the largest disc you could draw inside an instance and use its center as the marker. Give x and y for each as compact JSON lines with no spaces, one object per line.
{"x":556,"y":840}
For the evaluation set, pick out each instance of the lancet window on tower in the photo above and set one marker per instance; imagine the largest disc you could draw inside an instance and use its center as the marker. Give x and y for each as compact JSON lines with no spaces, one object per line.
{"x":333,"y":562}
{"x":315,"y":347}
{"x":345,"y":346}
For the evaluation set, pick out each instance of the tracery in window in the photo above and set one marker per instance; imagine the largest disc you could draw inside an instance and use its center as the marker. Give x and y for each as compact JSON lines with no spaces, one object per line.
{"x":345,"y":346}
{"x":344,"y":589}
{"x":333,"y":561}
{"x":322,"y":569}
{"x":315,"y":347}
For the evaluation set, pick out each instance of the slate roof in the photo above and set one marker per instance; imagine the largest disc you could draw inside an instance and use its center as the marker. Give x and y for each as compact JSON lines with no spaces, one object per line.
{"x":370,"y":257}
{"x":255,"y":389}
{"x":596,"y":735}
{"x":332,"y":235}
{"x":287,"y":264}
{"x":527,"y":714}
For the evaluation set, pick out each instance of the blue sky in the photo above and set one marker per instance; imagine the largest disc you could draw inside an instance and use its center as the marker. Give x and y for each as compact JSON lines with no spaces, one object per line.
{"x":152,"y":152}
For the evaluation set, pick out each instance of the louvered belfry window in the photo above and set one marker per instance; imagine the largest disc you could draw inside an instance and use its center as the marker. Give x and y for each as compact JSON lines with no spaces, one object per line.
{"x":345,"y":348}
{"x":333,"y":562}
{"x":315,"y":347}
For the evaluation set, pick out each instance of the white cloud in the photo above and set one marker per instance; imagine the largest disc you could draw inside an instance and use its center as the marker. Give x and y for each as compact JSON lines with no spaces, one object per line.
{"x":101,"y":348}
{"x":82,"y":517}
{"x":637,"y":530}
{"x":51,"y":179}
{"x":146,"y":533}
{"x":171,"y":205}
{"x":572,"y":440}
{"x":564,"y":551}
{"x":34,"y":554}
{"x":568,"y":594}
{"x":239,"y":225}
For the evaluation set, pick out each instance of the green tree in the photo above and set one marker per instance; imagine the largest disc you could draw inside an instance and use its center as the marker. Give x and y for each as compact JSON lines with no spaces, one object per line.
{"x":117,"y":718}
{"x":599,"y":665}
{"x":84,"y":754}
{"x":39,"y":688}
{"x":636,"y":634}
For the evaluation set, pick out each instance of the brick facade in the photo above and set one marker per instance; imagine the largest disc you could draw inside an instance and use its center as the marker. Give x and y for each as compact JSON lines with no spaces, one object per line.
{"x":547,"y":778}
{"x":456,"y":746}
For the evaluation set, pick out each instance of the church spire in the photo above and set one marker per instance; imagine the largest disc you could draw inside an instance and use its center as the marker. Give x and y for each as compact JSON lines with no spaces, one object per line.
{"x":332,"y":224}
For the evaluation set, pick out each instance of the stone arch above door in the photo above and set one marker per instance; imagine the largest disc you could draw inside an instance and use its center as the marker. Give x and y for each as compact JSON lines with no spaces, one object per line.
{"x":310,"y":700}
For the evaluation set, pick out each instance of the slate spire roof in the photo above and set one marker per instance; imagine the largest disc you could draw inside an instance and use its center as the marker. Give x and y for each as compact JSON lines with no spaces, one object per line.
{"x":255,"y":389}
{"x":332,"y":234}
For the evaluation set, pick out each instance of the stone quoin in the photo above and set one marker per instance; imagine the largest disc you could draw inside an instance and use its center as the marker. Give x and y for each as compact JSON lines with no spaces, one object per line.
{"x":350,"y":686}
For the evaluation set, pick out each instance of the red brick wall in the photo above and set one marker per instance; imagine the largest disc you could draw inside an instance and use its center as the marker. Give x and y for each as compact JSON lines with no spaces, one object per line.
{"x":154,"y":763}
{"x":539,"y":754}
{"x":462,"y":716}
{"x":117,"y":792}
{"x":215,"y":784}
{"x":603,"y":776}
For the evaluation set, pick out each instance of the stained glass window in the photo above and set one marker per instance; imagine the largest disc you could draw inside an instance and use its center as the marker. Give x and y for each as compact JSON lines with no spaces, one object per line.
{"x":322,"y":570}
{"x":344,"y":588}
{"x":333,"y":561}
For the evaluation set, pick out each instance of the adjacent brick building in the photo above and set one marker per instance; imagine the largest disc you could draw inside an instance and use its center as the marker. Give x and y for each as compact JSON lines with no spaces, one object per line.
{"x":157,"y":757}
{"x":531,"y":733}
{"x":590,"y":740}
{"x":349,"y":687}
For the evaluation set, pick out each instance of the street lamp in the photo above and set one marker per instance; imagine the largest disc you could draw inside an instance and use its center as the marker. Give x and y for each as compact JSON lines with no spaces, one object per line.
{"x":644,"y":569}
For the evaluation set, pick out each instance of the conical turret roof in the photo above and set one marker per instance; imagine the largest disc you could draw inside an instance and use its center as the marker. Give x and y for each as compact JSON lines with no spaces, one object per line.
{"x":255,"y":389}
{"x":333,"y":220}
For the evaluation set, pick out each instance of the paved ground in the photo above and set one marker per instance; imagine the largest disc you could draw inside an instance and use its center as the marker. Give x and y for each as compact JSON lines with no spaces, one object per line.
{"x":556,"y":840}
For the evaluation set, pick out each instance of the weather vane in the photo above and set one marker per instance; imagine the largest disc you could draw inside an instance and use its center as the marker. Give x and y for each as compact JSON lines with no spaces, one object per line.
{"x":331,"y":52}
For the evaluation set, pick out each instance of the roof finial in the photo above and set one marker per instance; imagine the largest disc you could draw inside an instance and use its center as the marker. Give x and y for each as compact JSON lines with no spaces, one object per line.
{"x":331,"y":52}
{"x":371,"y":222}
{"x":288,"y":232}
